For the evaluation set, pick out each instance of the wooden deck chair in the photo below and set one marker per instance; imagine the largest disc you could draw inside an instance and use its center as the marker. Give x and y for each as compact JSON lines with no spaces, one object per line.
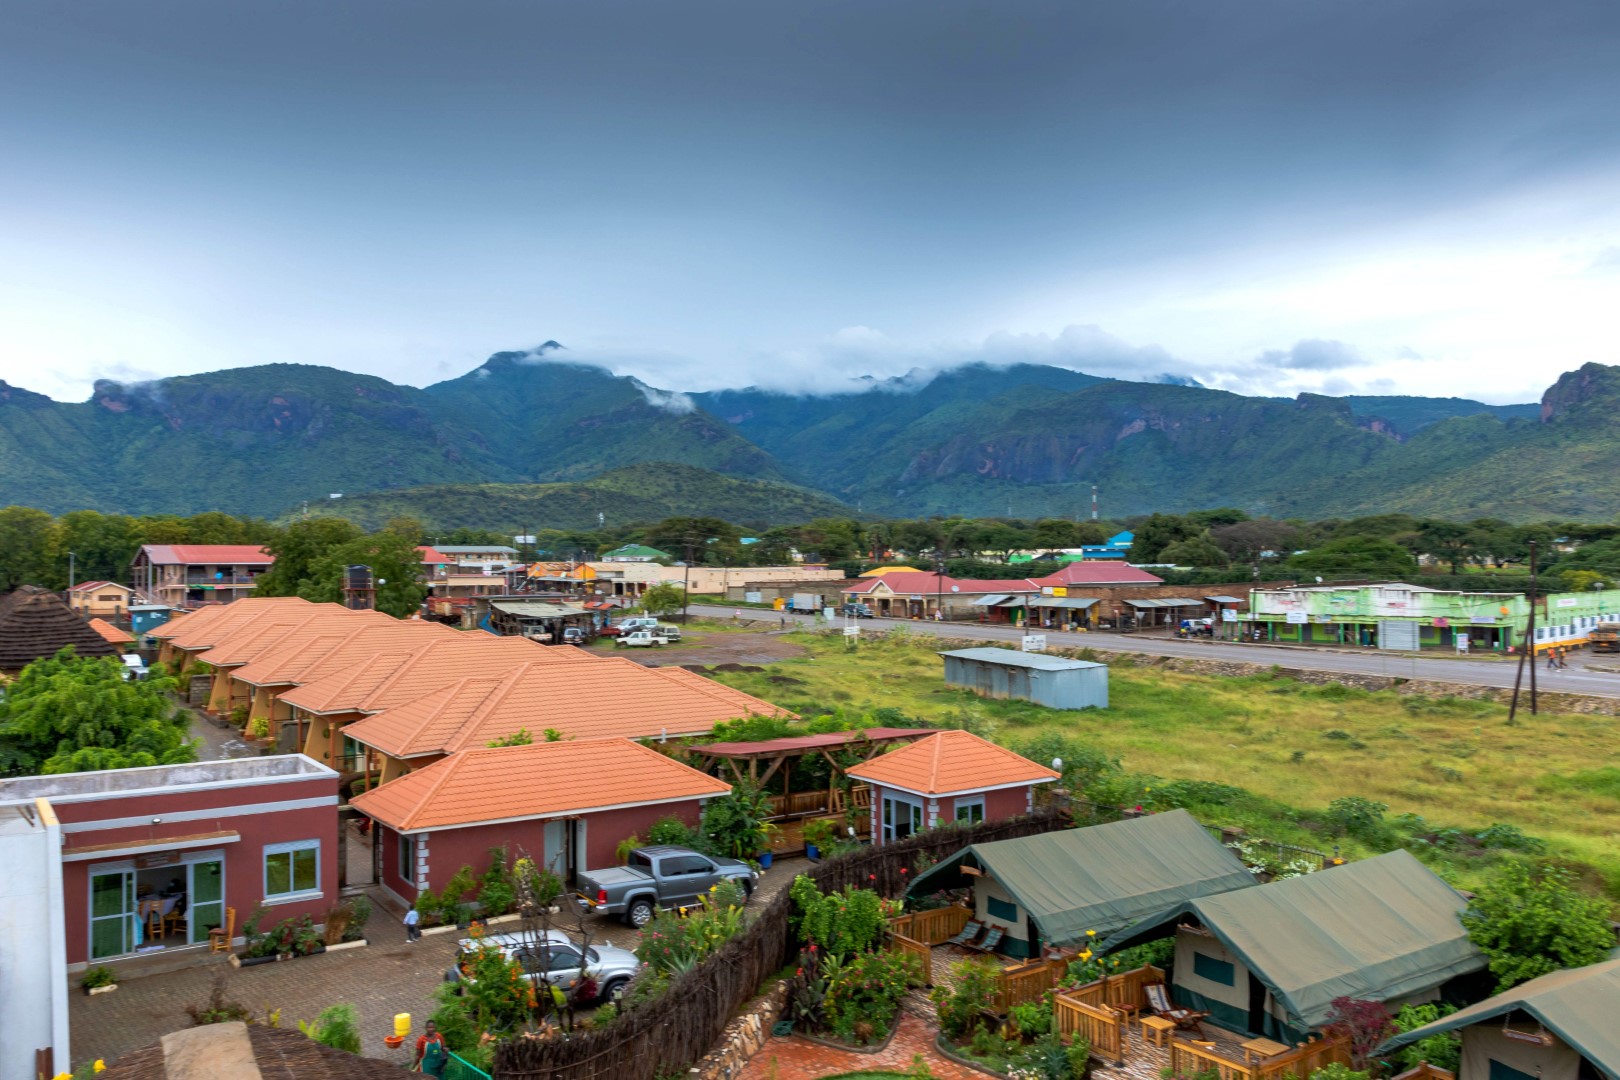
{"x":1158,"y":996}
{"x":992,"y":938}
{"x":967,"y":935}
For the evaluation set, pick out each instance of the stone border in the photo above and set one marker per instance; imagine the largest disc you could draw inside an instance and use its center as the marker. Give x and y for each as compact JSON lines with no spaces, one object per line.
{"x":950,"y":1052}
{"x":744,"y":1036}
{"x":875,"y":1048}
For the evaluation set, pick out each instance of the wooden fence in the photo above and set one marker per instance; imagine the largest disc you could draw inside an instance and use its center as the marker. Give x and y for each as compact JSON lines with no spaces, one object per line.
{"x":1027,"y":982}
{"x":933,"y":927}
{"x":1187,"y":1059}
{"x":1103,"y":1028}
{"x":666,"y":1036}
{"x":1424,"y":1071}
{"x":1123,"y":989}
{"x":921,"y":956}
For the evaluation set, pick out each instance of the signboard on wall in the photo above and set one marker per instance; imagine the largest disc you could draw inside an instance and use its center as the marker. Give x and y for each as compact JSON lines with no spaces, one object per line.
{"x":1228,"y":615}
{"x":852,"y":631}
{"x":1298,"y":617}
{"x":752,"y":598}
{"x":1034,"y":642}
{"x":1567,"y":601}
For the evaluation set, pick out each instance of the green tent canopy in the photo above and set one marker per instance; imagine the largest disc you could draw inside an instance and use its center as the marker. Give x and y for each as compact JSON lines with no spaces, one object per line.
{"x":1576,"y":1005}
{"x":1098,"y":878}
{"x":1379,"y":929}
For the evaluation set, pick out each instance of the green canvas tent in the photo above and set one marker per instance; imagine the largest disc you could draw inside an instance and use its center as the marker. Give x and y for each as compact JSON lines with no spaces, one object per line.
{"x":1053,"y":887}
{"x":1271,"y":960}
{"x":1576,"y":1006}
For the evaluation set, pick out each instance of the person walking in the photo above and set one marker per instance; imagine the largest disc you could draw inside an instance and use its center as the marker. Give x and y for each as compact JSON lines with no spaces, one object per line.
{"x":1552,"y":659}
{"x":413,"y":931}
{"x":431,"y":1053}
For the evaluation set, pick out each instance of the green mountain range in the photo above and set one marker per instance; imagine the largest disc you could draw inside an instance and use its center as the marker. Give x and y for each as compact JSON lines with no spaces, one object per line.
{"x":558,"y":442}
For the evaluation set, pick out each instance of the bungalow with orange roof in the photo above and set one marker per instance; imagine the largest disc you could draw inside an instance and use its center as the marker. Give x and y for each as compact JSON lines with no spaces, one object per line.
{"x":951,"y":776}
{"x":919,"y":594}
{"x":190,"y":575}
{"x":122,"y":640}
{"x":263,"y":634}
{"x":610,"y":697}
{"x":565,"y":805}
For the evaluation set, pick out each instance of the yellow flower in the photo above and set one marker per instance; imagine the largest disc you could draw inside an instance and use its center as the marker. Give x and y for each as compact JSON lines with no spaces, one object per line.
{"x":1091,"y":933}
{"x":1086,"y":955}
{"x":100,"y":1066}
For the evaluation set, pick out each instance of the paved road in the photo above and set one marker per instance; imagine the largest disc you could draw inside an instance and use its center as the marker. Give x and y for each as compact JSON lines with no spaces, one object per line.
{"x":1478,"y":671}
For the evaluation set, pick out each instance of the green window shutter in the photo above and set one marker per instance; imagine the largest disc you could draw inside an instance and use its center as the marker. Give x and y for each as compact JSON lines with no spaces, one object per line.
{"x":1220,"y":971}
{"x":1001,"y":909}
{"x":1500,"y":1071}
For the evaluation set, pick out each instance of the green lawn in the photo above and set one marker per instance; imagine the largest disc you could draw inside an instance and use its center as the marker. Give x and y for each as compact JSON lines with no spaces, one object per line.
{"x":1295,"y":746}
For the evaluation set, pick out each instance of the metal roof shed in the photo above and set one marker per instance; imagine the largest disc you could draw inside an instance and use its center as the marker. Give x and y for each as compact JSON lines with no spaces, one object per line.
{"x":1053,"y":681}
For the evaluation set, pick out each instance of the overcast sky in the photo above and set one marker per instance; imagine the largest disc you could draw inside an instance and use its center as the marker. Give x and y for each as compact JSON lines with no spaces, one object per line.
{"x":1419,"y":196}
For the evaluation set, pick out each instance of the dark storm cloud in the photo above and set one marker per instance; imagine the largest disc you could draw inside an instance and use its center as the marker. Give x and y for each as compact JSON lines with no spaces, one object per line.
{"x":383,"y":185}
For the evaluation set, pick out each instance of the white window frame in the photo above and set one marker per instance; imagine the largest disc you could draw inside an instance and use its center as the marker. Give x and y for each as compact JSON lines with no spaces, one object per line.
{"x":407,"y":858}
{"x":968,"y":804}
{"x":287,"y":848}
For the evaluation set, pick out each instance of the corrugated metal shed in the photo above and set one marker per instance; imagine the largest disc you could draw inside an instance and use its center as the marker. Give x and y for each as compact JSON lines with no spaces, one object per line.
{"x":1054,"y":681}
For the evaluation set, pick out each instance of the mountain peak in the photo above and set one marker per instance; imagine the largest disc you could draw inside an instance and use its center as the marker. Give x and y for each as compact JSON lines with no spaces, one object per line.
{"x":1574,"y":389}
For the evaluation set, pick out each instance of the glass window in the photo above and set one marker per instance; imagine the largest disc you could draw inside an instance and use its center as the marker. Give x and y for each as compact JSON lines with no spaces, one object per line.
{"x":292,"y":869}
{"x":970,"y":811}
{"x":407,"y":858}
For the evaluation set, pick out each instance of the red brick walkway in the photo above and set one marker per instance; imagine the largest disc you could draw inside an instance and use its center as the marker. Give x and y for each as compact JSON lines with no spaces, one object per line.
{"x":794,"y":1058}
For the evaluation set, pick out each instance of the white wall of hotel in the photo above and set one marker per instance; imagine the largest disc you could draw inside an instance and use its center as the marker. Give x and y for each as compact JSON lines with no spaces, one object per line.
{"x":33,"y":941}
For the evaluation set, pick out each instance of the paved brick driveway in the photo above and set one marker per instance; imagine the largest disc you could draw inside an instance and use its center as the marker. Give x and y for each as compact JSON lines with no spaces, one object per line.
{"x":386,"y":977}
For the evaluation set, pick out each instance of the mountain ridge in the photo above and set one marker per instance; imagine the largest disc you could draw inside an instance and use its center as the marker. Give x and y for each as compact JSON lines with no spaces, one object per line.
{"x":1022,"y":439}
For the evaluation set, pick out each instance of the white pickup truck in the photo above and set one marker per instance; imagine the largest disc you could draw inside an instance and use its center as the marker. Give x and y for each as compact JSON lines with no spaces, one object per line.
{"x":637,"y":639}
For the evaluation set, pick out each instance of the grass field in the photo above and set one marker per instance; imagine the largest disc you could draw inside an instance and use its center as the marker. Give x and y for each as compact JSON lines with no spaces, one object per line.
{"x":1296,"y":747}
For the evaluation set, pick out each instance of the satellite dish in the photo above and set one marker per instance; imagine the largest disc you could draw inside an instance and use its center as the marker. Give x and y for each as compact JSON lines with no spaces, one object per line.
{"x":956,"y":588}
{"x":1319,"y":579}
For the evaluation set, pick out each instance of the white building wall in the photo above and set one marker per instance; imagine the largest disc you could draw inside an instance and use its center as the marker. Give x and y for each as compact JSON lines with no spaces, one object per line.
{"x":33,"y":941}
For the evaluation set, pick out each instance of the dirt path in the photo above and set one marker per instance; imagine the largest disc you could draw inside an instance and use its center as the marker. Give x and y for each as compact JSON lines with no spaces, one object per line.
{"x":712,"y":647}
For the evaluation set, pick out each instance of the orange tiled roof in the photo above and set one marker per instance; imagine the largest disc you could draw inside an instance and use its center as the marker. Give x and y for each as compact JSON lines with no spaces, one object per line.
{"x":541,"y":780}
{"x":265,"y":636}
{"x":195,"y":632}
{"x":396,"y":679}
{"x":951,"y":763}
{"x":111,"y":632}
{"x":327,"y":653}
{"x":609,"y":697}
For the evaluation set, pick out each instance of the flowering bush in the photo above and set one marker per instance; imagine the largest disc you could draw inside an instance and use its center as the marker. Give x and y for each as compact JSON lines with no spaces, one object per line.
{"x":967,"y":1002}
{"x":841,"y":923}
{"x":675,"y":941}
{"x":864,"y":993}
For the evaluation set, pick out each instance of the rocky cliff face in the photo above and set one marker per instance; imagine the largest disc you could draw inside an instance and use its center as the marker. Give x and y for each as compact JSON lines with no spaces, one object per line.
{"x":1591,"y":385}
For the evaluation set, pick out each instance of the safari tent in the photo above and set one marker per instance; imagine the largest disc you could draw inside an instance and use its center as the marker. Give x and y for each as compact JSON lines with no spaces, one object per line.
{"x":1558,"y":1027}
{"x":1051,"y":888}
{"x":1271,"y":960}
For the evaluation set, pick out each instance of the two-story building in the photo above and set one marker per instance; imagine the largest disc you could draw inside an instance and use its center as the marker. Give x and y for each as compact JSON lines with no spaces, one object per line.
{"x":190,"y":575}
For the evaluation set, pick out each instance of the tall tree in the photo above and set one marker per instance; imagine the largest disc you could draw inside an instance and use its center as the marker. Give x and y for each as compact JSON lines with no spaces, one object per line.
{"x":396,"y":570}
{"x":102,"y":544}
{"x":298,"y":549}
{"x":72,"y":714}
{"x":28,"y":543}
{"x":1157,"y":533}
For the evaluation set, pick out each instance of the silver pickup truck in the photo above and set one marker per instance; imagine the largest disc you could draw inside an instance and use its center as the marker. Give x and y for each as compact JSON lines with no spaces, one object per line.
{"x":660,"y":876}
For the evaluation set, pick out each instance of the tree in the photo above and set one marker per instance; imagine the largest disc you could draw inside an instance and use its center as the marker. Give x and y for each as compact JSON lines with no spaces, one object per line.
{"x":27,"y":541}
{"x":1199,"y":551}
{"x":664,"y":598}
{"x":102,"y":544}
{"x":298,"y":549}
{"x":1157,"y":533}
{"x":396,"y":571}
{"x":1448,"y":541}
{"x":1357,"y":556}
{"x":73,"y":714}
{"x":1248,"y":541}
{"x":1533,"y":924}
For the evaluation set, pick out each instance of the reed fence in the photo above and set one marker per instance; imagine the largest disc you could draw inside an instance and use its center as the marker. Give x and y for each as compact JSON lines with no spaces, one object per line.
{"x":666,"y":1036}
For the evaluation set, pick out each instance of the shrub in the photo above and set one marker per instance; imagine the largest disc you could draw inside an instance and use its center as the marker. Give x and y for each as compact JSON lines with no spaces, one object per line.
{"x":1367,"y":1024}
{"x":359,"y":914}
{"x":963,"y":1005}
{"x":1355,"y":816}
{"x":1443,"y":1050}
{"x":1530,"y":926}
{"x":337,"y":1026}
{"x":290,"y":937}
{"x":676,"y":941}
{"x":218,"y":1009}
{"x":1032,"y":1018}
{"x":1511,"y":838}
{"x":841,"y":923}
{"x":737,"y":824}
{"x":542,"y":886}
{"x":97,"y":977}
{"x":1079,"y":1056}
{"x":670,"y":830}
{"x":1338,"y":1071}
{"x":238,"y":716}
{"x":453,"y":900}
{"x":259,"y":727}
{"x":869,"y":987}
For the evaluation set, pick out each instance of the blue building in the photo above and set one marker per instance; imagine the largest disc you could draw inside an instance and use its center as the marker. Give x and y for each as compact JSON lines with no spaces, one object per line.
{"x":1117,"y":547}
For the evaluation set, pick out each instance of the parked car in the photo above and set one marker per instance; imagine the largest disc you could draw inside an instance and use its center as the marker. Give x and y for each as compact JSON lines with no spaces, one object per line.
{"x":574,"y":635}
{"x":637,"y":622}
{"x":655,"y":877}
{"x":638,"y":639}
{"x":667,"y":634}
{"x":551,"y":957}
{"x":855,"y":611}
{"x":134,"y":667}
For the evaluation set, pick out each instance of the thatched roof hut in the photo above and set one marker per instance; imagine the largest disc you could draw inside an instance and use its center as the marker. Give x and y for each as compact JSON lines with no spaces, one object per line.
{"x":36,"y":623}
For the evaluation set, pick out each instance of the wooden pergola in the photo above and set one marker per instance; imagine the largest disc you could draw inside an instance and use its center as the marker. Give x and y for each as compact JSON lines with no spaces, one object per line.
{"x":759,"y":762}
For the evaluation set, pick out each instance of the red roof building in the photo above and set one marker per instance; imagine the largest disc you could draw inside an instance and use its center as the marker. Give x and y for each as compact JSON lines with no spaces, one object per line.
{"x":189,"y":575}
{"x":1098,"y":573}
{"x":565,"y":805}
{"x":951,"y":776}
{"x":920,"y":594}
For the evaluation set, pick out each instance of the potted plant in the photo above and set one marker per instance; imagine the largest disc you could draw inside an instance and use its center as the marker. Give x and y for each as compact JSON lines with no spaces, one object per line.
{"x":819,"y":834}
{"x":99,"y":980}
{"x":767,"y":837}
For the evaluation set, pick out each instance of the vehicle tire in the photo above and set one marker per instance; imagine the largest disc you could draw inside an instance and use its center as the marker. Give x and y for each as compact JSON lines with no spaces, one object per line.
{"x":612,"y":991}
{"x":639,"y":913}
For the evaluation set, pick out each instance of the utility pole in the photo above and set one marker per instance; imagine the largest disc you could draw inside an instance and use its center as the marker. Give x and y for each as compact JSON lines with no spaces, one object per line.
{"x":1093,"y":502}
{"x":1533,"y":591}
{"x":71,"y":557}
